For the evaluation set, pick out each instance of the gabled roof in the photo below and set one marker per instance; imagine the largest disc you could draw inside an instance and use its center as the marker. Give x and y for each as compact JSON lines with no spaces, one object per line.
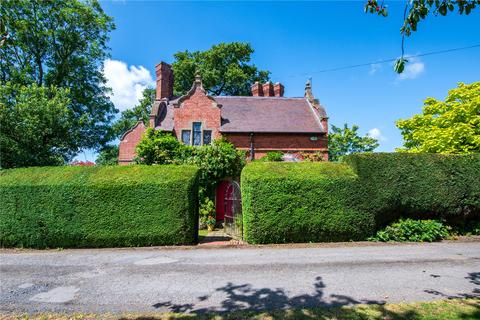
{"x":269,"y":114}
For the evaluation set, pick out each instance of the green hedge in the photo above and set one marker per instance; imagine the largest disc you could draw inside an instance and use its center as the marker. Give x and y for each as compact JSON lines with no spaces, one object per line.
{"x":98,"y":206}
{"x":418,"y":185}
{"x":302,"y":202}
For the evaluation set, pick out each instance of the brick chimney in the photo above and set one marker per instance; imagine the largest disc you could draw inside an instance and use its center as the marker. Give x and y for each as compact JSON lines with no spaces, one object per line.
{"x":278,"y":89}
{"x":268,"y":89}
{"x":257,"y":89}
{"x":164,"y":75}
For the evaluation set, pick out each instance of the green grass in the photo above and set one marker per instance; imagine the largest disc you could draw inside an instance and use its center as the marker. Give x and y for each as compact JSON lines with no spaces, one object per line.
{"x":456,"y":309}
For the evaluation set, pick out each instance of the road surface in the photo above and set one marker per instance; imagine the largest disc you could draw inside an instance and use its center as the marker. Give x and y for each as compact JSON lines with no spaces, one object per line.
{"x":227,"y":279}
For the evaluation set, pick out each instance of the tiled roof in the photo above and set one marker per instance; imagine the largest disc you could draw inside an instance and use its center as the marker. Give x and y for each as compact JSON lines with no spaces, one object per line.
{"x":269,"y":114}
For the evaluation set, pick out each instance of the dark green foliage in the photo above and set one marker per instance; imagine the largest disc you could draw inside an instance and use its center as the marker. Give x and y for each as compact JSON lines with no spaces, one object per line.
{"x":413,"y":230}
{"x":108,"y":156}
{"x":274,"y":156}
{"x":216,"y":161}
{"x":106,"y":206}
{"x":160,"y":147}
{"x":62,"y":44}
{"x":35,"y":126}
{"x":226,"y":69}
{"x":302,"y":202}
{"x":420,"y":186}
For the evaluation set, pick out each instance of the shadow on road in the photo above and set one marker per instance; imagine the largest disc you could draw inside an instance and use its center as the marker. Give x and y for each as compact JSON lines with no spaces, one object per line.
{"x":244,"y":302}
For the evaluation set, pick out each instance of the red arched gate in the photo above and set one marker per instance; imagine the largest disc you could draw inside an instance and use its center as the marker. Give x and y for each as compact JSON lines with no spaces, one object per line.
{"x":229,"y":208}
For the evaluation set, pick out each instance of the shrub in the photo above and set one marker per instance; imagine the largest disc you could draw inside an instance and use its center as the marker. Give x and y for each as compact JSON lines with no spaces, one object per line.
{"x":302,"y":202}
{"x":101,"y":206}
{"x":207,"y":210}
{"x":420,"y":186}
{"x":274,"y":156}
{"x":312,"y":157}
{"x":413,"y":230}
{"x":216,"y":161}
{"x":159,"y":147}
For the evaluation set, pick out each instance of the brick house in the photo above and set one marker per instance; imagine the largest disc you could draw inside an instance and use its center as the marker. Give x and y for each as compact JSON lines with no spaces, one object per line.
{"x":266,"y":121}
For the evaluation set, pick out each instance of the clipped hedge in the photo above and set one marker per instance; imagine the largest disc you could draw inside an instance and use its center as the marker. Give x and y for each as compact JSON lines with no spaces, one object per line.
{"x":302,"y":202}
{"x":421,"y":185}
{"x":98,"y":206}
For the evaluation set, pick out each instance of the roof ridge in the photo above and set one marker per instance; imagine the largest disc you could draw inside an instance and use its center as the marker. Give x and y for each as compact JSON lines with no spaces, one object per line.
{"x":252,"y":97}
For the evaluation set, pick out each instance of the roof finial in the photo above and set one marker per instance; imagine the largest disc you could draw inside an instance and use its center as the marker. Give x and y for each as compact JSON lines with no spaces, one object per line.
{"x":198,"y":77}
{"x":308,"y":90}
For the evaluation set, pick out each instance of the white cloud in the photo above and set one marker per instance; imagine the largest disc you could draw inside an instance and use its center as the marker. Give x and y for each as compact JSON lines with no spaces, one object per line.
{"x":376,"y":134}
{"x":413,"y":68}
{"x":374,"y":67}
{"x":127,"y":83}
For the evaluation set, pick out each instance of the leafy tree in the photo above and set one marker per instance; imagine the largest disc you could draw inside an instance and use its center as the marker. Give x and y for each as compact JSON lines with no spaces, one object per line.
{"x":450,"y":126}
{"x":108,"y":156}
{"x":3,"y":33}
{"x":416,"y":10}
{"x":130,"y":117}
{"x":61,"y":44}
{"x":35,"y":126}
{"x":343,"y":141}
{"x":225,"y":69}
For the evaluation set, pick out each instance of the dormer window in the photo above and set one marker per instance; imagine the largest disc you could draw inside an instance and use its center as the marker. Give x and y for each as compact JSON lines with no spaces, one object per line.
{"x":196,"y":136}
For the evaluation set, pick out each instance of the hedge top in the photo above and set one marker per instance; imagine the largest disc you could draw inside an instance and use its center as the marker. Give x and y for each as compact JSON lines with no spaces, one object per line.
{"x":297,"y":170}
{"x":97,"y":175}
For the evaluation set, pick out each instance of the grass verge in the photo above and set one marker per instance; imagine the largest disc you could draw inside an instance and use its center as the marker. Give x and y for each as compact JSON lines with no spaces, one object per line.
{"x":455,"y":309}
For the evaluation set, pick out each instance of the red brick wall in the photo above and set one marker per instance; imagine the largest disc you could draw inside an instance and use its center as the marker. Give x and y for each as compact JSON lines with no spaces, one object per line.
{"x":197,"y":108}
{"x":126,"y":149}
{"x":284,"y":142}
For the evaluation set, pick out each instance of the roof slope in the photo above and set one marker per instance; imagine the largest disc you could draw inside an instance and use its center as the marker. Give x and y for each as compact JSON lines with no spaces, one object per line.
{"x":268,"y":114}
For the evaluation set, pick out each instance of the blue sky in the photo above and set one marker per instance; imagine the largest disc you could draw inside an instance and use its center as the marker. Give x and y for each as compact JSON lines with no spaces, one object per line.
{"x":295,"y":40}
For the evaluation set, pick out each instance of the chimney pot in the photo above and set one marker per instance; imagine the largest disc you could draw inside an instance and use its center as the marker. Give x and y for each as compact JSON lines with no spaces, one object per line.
{"x":257,"y":89}
{"x":278,"y":89}
{"x":164,"y":74}
{"x":268,"y":89}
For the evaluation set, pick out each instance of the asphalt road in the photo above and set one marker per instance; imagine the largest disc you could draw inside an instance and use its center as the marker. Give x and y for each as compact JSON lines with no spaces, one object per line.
{"x":183,"y":280}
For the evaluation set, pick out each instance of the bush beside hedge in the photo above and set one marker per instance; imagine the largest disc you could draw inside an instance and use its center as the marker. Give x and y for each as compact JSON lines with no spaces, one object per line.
{"x":98,"y":206}
{"x":302,"y":202}
{"x":420,"y":186}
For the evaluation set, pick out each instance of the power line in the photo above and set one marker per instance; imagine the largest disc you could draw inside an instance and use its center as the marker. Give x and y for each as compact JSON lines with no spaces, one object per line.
{"x":387,"y":60}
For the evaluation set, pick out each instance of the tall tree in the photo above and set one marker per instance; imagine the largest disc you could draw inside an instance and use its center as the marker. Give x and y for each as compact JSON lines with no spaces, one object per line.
{"x":35,"y":126}
{"x":62,"y":44}
{"x":225,"y":69}
{"x":343,"y":141}
{"x":417,"y":10}
{"x":450,"y":126}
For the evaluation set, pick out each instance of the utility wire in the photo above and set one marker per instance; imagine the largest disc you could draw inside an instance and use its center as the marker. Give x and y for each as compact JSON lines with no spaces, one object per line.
{"x":387,"y":60}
